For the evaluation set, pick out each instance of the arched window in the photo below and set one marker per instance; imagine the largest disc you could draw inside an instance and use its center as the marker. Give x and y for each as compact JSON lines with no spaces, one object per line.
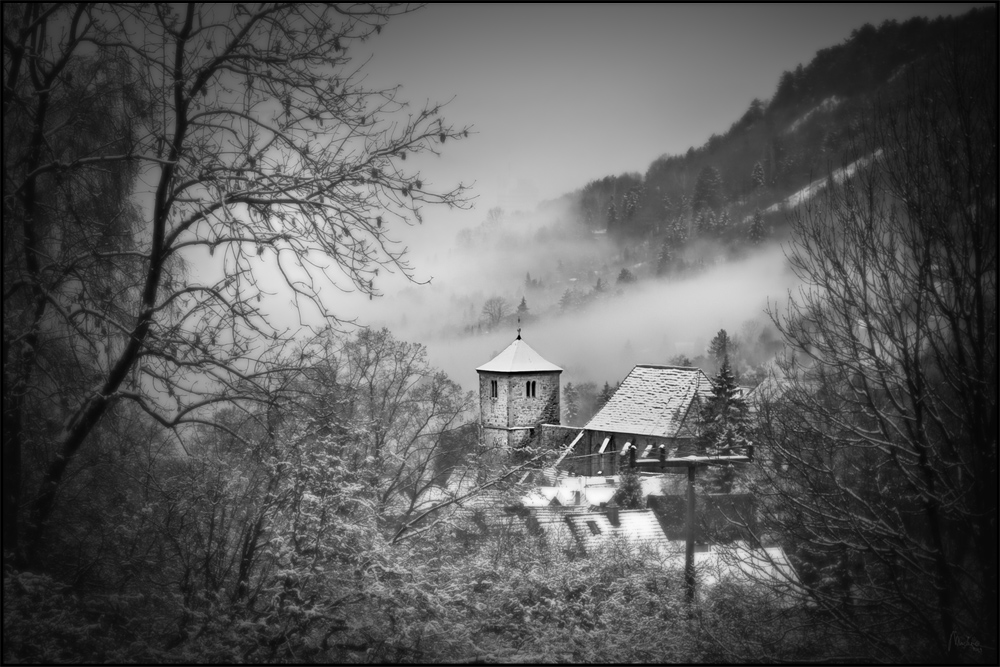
{"x":529,"y":389}
{"x":493,"y":389}
{"x":532,"y":388}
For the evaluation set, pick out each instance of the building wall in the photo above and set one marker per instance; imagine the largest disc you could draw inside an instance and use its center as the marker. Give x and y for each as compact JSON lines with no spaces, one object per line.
{"x":512,"y":409}
{"x":492,"y":411}
{"x":588,"y":462}
{"x":524,"y":410}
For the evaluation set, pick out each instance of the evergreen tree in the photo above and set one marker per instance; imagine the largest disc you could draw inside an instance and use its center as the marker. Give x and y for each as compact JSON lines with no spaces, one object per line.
{"x":756,"y":234}
{"x":626,"y":277}
{"x":707,"y":190}
{"x":612,"y":215}
{"x":599,"y":286}
{"x":571,"y":404}
{"x":628,"y":495}
{"x":706,"y":223}
{"x":724,"y":425}
{"x":723,"y":223}
{"x":721,"y":347}
{"x":664,"y":261}
{"x":522,"y":308}
{"x":568,"y":300}
{"x":632,"y":201}
{"x":604,"y":396}
{"x":677,"y":232}
{"x":757,"y":176}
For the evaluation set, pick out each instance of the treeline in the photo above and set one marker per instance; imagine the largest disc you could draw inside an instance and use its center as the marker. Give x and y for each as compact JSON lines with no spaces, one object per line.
{"x":775,"y":148}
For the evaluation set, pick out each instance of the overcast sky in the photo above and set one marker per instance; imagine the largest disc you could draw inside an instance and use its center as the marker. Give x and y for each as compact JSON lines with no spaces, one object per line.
{"x":562,"y":94}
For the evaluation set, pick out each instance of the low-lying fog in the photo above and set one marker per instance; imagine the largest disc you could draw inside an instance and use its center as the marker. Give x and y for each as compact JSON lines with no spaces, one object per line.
{"x":649,"y":321}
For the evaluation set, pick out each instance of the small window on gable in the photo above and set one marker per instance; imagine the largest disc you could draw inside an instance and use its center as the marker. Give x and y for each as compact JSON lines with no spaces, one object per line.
{"x":493,"y":389}
{"x":594,"y":528}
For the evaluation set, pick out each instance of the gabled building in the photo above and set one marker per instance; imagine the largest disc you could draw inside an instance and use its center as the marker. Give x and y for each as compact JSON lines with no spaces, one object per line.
{"x":654,"y":406}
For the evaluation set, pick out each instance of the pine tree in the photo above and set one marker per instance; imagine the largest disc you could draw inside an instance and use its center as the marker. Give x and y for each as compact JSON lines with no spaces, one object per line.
{"x":663,"y":263}
{"x":612,"y":215}
{"x":707,"y":190}
{"x":756,"y":234}
{"x":633,"y":199}
{"x":599,"y":286}
{"x":703,"y":224}
{"x":724,"y":425}
{"x":721,"y":347}
{"x":757,"y":176}
{"x":626,"y":277}
{"x":568,"y":300}
{"x":628,"y":495}
{"x":723,"y":223}
{"x":604,"y":396}
{"x":571,"y":404}
{"x":522,"y":308}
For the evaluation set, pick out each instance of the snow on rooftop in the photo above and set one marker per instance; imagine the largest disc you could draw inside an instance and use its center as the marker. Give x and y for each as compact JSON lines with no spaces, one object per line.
{"x":652,"y":401}
{"x":518,"y":357}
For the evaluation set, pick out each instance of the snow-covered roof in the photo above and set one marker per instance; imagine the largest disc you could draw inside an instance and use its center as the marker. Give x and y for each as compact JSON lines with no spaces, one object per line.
{"x":518,"y":357}
{"x":636,"y":527}
{"x":652,"y":401}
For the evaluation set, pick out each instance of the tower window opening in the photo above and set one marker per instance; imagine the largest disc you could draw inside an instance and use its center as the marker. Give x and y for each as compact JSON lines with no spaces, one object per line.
{"x":493,"y":389}
{"x":529,"y":389}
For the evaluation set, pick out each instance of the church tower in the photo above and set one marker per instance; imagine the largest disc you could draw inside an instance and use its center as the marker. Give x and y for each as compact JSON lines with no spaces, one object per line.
{"x":518,"y":390}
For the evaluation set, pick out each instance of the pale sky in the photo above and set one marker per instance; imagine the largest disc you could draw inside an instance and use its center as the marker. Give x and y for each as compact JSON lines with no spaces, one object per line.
{"x":562,"y":94}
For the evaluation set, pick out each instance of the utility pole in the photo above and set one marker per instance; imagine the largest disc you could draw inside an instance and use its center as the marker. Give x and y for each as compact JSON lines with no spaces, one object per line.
{"x":692,"y":463}
{"x":689,"y":547}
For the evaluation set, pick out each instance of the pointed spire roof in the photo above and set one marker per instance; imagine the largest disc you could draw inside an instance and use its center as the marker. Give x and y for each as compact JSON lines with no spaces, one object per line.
{"x":518,"y":357}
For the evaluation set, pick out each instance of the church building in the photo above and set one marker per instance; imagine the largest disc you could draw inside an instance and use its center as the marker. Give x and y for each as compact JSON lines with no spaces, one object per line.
{"x":518,"y":392}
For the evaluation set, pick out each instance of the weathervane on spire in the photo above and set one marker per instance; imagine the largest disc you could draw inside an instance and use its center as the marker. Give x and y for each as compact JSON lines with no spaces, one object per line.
{"x":519,"y":327}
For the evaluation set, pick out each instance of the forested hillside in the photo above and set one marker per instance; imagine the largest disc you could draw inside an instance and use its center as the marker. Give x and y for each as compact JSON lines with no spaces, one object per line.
{"x":730,"y":190}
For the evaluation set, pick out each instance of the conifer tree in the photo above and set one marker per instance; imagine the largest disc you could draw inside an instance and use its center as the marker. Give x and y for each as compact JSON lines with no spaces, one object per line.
{"x":568,"y":300}
{"x":756,"y":233}
{"x":663,"y":263}
{"x":723,"y":223}
{"x":724,"y":425}
{"x":522,"y":308}
{"x":757,"y":176}
{"x":721,"y":347}
{"x":604,"y":396}
{"x":626,"y":277}
{"x":707,"y":190}
{"x":571,"y":403}
{"x":628,"y":495}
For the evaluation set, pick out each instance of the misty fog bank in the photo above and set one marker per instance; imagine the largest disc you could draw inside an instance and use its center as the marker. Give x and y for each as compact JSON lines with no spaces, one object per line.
{"x":646,"y":322}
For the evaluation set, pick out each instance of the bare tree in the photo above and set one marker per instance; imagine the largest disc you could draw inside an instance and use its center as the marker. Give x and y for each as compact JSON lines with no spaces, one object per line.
{"x":495,"y":309}
{"x":252,"y":140}
{"x":880,"y":441}
{"x":408,"y":423}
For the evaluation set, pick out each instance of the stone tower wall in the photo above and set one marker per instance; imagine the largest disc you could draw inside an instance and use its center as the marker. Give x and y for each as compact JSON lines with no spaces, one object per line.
{"x":529,"y":411}
{"x":513,"y":408}
{"x":493,"y":411}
